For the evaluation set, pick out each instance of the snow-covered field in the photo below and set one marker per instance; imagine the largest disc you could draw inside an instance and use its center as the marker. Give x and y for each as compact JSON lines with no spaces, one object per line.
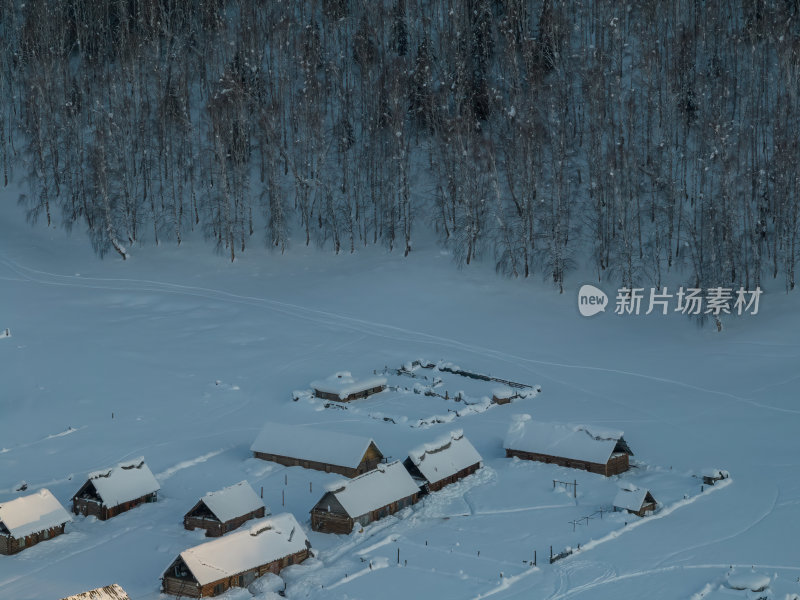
{"x":179,"y":356}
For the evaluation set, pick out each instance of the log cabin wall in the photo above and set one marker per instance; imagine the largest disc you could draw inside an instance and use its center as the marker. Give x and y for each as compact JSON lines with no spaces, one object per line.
{"x":617,"y":464}
{"x":308,"y":464}
{"x":438,"y":485}
{"x":11,"y":545}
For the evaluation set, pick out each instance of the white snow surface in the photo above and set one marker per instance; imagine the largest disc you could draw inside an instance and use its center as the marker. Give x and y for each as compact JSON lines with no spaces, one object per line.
{"x":33,"y":513}
{"x":264,"y":541}
{"x":630,"y":498}
{"x":148,"y":337}
{"x":109,"y":592}
{"x":444,"y":457}
{"x":344,"y":384}
{"x":127,"y":481}
{"x":578,"y":442}
{"x":374,"y":489}
{"x":311,"y":443}
{"x":233,"y":501}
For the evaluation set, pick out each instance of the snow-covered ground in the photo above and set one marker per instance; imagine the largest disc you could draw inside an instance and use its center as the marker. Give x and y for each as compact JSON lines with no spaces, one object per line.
{"x":178,"y":356}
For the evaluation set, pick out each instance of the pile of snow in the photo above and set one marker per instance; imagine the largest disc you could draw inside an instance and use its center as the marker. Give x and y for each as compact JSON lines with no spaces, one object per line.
{"x":755,"y":582}
{"x":268,"y":585}
{"x":343,"y":384}
{"x":308,"y":443}
{"x":31,"y":514}
{"x":374,"y":489}
{"x":265,"y":541}
{"x":127,"y":481}
{"x":233,"y":501}
{"x":445,"y":457}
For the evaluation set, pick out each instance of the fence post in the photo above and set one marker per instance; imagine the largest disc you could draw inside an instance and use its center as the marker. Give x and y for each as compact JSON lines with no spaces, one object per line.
{"x":574,"y":488}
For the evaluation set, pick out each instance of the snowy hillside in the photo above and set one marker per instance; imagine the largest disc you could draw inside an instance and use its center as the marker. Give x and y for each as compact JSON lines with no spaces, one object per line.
{"x":180,"y":357}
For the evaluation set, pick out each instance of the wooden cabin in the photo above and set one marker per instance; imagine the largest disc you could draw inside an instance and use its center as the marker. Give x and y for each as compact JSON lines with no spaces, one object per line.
{"x":504,"y":395}
{"x":319,"y":449}
{"x":343,"y":387}
{"x":109,"y":592}
{"x":443,"y":462}
{"x":113,"y":491}
{"x":237,"y":559}
{"x":637,"y":501}
{"x":225,"y":510}
{"x":574,"y":446}
{"x":367,"y":498}
{"x":28,"y":520}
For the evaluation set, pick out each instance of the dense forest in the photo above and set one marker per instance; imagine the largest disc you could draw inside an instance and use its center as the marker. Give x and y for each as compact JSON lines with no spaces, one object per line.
{"x":645,"y":139}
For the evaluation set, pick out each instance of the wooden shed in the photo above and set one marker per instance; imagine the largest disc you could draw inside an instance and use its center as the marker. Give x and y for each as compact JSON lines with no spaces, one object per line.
{"x":113,"y":491}
{"x":504,"y":395}
{"x":712,"y":476}
{"x":109,"y":592}
{"x":224,"y":510}
{"x":343,"y":387}
{"x":319,"y":449}
{"x":31,"y":519}
{"x":637,"y":501}
{"x":443,"y":462}
{"x":236,"y":560}
{"x":582,"y":447}
{"x":367,"y":498}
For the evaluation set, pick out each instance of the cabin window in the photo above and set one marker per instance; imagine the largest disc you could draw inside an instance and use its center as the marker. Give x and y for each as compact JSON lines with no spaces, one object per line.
{"x":21,"y":542}
{"x":45,"y":534}
{"x":219,"y":588}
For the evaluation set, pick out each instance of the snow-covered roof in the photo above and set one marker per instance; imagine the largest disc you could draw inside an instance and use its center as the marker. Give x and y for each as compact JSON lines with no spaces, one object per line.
{"x":109,"y":592}
{"x":374,"y":489}
{"x":630,"y":498}
{"x":233,"y":501}
{"x":343,"y":384}
{"x":308,"y":443}
{"x":444,"y":457}
{"x":716,"y":473}
{"x":265,"y":541}
{"x":31,"y":514}
{"x":503,"y":392}
{"x":579,"y":442}
{"x":127,"y":481}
